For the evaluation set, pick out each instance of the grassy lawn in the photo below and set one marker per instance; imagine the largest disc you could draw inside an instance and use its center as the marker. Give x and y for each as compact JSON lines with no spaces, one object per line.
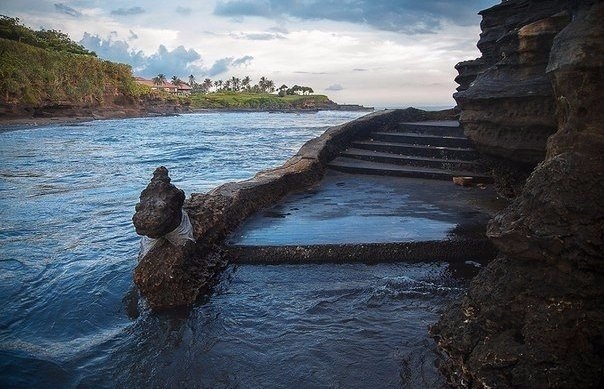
{"x":255,"y":101}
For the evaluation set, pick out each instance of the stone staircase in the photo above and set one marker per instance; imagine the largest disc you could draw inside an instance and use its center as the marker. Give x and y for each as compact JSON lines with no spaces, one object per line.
{"x":432,"y":150}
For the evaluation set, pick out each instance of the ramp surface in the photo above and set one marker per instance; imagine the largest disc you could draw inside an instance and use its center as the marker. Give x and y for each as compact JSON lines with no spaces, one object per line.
{"x":358,"y":209}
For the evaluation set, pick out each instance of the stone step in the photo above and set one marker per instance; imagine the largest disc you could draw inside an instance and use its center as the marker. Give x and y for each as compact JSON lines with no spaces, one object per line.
{"x":446,"y":128}
{"x":422,"y":139}
{"x":451,"y":250}
{"x":356,"y":166}
{"x":408,"y":160}
{"x":459,"y":153}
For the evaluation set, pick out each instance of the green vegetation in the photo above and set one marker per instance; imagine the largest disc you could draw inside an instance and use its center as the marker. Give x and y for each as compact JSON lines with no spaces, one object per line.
{"x":11,"y":29}
{"x":236,"y":93}
{"x":31,"y":75}
{"x":246,"y":100}
{"x":46,"y":67}
{"x":240,"y":85}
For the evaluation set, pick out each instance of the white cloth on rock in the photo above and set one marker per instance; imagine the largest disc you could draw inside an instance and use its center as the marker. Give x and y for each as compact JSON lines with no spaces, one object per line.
{"x":177,"y":237}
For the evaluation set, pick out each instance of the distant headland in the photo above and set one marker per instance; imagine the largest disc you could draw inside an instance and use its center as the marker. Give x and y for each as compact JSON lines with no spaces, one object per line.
{"x":46,"y":76}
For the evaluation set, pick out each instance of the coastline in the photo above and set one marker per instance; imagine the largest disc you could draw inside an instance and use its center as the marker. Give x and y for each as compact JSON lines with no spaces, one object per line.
{"x":20,"y":122}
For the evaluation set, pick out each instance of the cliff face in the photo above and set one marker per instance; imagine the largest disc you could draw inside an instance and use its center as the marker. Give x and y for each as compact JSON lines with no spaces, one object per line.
{"x":534,"y":317}
{"x":505,"y":96}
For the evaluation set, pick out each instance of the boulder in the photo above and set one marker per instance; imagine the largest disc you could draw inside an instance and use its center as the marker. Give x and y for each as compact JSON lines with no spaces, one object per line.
{"x":160,"y":208}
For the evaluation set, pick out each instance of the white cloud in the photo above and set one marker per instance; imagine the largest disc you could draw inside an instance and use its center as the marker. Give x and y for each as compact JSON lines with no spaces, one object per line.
{"x":335,"y":87}
{"x":376,"y":66}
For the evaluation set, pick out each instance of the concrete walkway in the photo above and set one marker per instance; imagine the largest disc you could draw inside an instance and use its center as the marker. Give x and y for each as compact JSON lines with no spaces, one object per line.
{"x":346,"y":213}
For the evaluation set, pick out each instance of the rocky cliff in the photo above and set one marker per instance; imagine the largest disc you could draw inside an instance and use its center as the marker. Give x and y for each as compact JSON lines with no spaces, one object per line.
{"x":534,"y":317}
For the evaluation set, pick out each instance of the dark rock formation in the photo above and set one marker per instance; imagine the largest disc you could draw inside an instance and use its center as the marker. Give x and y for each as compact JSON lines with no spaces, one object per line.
{"x":534,"y":317}
{"x":505,"y":96}
{"x":468,"y":71}
{"x":160,"y":208}
{"x":170,"y":276}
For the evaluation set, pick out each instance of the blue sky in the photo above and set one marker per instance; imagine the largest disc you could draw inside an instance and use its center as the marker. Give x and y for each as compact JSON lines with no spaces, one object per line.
{"x":391,"y":53}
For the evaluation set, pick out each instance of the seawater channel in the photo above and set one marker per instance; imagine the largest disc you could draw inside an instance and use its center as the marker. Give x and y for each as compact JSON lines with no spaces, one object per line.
{"x":68,"y":250}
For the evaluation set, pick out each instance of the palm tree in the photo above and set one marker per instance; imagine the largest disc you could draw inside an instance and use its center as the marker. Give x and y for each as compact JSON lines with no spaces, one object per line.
{"x":262,"y":84}
{"x":160,"y":79}
{"x":245,"y":83}
{"x":235,"y":82}
{"x":176,"y":81}
{"x":270,"y":86}
{"x":207,"y":85}
{"x":191,"y":81}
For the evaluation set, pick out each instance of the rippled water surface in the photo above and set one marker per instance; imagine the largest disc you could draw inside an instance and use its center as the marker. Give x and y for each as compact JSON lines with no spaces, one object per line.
{"x":68,"y":249}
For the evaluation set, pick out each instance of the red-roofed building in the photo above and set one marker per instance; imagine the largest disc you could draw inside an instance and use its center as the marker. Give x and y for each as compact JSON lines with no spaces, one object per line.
{"x":182,"y":89}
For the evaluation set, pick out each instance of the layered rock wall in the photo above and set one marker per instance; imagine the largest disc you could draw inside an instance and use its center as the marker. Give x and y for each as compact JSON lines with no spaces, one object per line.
{"x":505,"y":97}
{"x":534,"y":317}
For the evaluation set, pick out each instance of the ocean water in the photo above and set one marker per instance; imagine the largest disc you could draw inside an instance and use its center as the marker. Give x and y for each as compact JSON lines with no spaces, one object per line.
{"x":68,"y":250}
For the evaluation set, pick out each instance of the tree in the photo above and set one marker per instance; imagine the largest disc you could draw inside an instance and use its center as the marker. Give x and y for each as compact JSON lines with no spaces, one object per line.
{"x":236,"y":83}
{"x":160,"y":79}
{"x":262,"y":84}
{"x":55,"y":40}
{"x":176,"y":81}
{"x":270,"y":86}
{"x":245,"y":83}
{"x":282,"y":90}
{"x":191,"y":81}
{"x":207,"y":85}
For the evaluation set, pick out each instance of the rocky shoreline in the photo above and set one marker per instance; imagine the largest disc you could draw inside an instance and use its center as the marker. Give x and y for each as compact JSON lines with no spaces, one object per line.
{"x":22,"y":121}
{"x":534,"y":316}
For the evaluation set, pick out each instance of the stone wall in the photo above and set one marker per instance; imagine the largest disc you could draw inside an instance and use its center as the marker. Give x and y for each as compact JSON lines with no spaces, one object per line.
{"x":170,"y":275}
{"x":534,"y":317}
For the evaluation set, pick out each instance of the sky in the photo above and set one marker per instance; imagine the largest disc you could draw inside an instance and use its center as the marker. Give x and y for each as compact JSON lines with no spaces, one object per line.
{"x":381,"y":53}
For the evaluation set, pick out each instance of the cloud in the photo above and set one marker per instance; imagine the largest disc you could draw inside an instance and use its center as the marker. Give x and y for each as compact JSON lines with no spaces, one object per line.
{"x":404,"y":16}
{"x":62,"y":8}
{"x":133,"y":36}
{"x":185,"y":11}
{"x":257,"y":36}
{"x":359,"y":70}
{"x":280,"y":30}
{"x":302,"y":72}
{"x":220,"y":66}
{"x":223,"y":65}
{"x":128,"y":11}
{"x":113,"y":50}
{"x":179,"y":61}
{"x":335,"y":87}
{"x":243,"y":61}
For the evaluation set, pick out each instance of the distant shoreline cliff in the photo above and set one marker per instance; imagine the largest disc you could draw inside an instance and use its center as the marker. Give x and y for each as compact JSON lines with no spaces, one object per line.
{"x":48,"y":77}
